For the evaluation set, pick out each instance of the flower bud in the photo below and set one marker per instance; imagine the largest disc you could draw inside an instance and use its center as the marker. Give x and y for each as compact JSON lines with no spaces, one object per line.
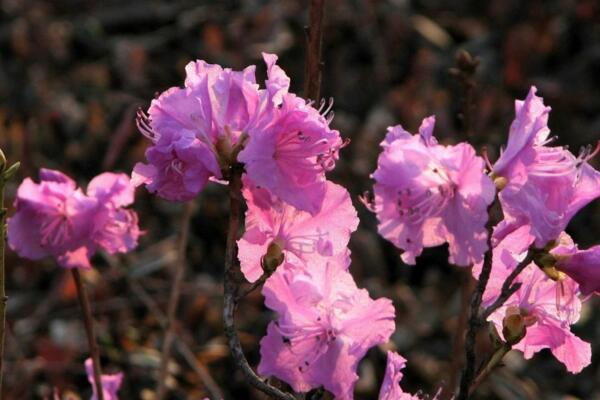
{"x":273,"y":258}
{"x":2,"y":161}
{"x":514,"y":327}
{"x":500,"y":183}
{"x":11,"y":171}
{"x":554,"y":273}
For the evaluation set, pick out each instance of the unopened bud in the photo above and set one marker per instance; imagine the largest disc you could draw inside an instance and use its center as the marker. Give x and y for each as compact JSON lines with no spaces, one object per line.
{"x":2,"y":161}
{"x":554,"y":274}
{"x":514,"y":327}
{"x":273,"y":258}
{"x":11,"y":171}
{"x":500,"y":183}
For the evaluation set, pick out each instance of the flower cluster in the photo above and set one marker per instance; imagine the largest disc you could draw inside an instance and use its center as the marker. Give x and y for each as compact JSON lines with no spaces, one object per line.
{"x":426,"y":194}
{"x":221,"y":117}
{"x":547,"y":306}
{"x":221,"y":125}
{"x":55,"y":218}
{"x":297,"y":225}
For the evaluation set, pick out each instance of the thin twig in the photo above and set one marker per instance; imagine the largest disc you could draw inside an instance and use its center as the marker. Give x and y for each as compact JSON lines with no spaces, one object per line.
{"x":464,"y":73}
{"x":314,"y":42}
{"x":475,"y":322}
{"x":489,"y":367}
{"x":183,"y":348}
{"x":84,"y":302}
{"x":508,"y":289}
{"x":459,"y":337}
{"x":230,"y":291}
{"x":174,"y":299}
{"x":3,"y":297}
{"x":255,"y":285}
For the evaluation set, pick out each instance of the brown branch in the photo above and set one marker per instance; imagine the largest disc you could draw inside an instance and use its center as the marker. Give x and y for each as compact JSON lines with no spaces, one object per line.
{"x":314,"y":41}
{"x":508,"y":289}
{"x":255,"y":285}
{"x":459,"y":337}
{"x":490,"y":365}
{"x":174,"y":299}
{"x":84,"y":302}
{"x":464,"y":73}
{"x":230,"y":291}
{"x":475,"y":322}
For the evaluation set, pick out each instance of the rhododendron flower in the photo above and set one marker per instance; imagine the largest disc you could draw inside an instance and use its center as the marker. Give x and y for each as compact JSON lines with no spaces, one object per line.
{"x":197,"y":131}
{"x":427,"y":194}
{"x":390,"y":388}
{"x":111,"y":383}
{"x":290,"y":155}
{"x":298,"y":234}
{"x":546,"y":185}
{"x":325,"y":326}
{"x":548,"y":306}
{"x":583,"y":266}
{"x":55,"y":218}
{"x":193,"y":127}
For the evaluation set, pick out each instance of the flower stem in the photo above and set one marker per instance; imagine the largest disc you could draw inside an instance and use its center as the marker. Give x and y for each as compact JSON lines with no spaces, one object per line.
{"x":231,"y":284}
{"x":3,"y":297}
{"x":489,"y":367}
{"x":475,"y":322}
{"x":507,"y":287}
{"x":84,"y":302}
{"x":174,"y":300}
{"x":314,"y":42}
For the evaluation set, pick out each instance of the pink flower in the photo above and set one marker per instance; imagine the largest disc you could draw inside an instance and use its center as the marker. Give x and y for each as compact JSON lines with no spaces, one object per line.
{"x":427,"y":194}
{"x":583,"y":266}
{"x":55,"y":218}
{"x":300,"y":235}
{"x":390,"y":388}
{"x":194,"y":129}
{"x":115,"y":228}
{"x":110,"y":383}
{"x":290,"y":146}
{"x":549,"y":307}
{"x":325,"y":326}
{"x":546,"y":186}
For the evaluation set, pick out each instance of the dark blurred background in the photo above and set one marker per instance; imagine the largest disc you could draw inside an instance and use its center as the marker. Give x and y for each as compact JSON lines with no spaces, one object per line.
{"x":72,"y":74}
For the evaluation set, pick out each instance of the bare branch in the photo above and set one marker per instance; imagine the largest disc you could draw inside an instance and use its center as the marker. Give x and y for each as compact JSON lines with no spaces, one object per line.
{"x":231,"y":289}
{"x":314,"y":42}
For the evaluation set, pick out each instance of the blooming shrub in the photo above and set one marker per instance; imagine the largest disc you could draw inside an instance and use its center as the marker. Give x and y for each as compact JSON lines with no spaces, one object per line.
{"x":273,"y":150}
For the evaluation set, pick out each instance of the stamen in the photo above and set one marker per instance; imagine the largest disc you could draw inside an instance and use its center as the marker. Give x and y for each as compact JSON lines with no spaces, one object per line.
{"x":485,"y":155}
{"x":143,"y":123}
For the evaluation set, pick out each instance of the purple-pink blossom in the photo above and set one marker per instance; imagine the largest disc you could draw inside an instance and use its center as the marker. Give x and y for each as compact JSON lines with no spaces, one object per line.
{"x":390,"y":388}
{"x":324,"y":326}
{"x":583,"y":266}
{"x":291,"y":153}
{"x":427,"y":194}
{"x":111,"y":383}
{"x":221,"y":117}
{"x":549,"y":307}
{"x":55,"y":218}
{"x":299,"y":235}
{"x":193,"y":129}
{"x":545,"y":185}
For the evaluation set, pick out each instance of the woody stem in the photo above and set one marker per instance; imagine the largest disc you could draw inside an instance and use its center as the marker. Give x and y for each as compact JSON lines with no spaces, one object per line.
{"x":88,"y":320}
{"x":231,"y":285}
